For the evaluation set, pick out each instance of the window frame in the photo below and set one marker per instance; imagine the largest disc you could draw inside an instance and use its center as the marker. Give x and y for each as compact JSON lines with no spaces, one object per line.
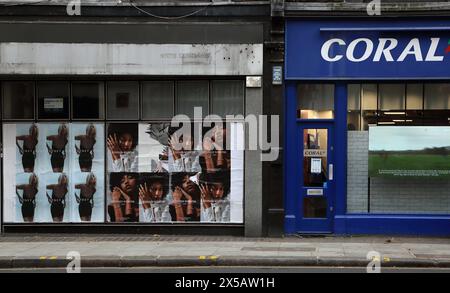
{"x":2,"y":96}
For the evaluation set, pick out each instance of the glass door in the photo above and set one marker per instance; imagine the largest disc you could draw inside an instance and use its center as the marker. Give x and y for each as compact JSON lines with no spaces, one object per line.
{"x":315,"y":187}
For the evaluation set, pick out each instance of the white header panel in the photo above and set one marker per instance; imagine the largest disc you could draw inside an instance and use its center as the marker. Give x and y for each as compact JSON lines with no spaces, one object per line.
{"x":131,"y":59}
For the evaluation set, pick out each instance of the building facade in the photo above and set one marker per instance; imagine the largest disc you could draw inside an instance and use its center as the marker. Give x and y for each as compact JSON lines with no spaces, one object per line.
{"x":90,"y":143}
{"x":88,"y":107}
{"x":367,"y":119}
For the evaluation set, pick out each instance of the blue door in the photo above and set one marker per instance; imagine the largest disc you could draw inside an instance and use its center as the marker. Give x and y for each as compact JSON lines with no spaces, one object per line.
{"x":315,"y":188}
{"x":313,"y":158}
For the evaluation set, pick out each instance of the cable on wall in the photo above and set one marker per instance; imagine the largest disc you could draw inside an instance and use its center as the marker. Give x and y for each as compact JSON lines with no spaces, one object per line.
{"x":170,"y":17}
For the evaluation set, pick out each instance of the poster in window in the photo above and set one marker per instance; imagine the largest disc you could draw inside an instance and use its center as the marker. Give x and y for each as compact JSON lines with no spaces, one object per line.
{"x":42,"y":174}
{"x":153,"y":198}
{"x":87,"y":172}
{"x":205,"y":172}
{"x":122,"y":143}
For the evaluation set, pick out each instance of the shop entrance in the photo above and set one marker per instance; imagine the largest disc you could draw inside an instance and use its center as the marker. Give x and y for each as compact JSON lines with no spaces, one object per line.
{"x":316,"y":179}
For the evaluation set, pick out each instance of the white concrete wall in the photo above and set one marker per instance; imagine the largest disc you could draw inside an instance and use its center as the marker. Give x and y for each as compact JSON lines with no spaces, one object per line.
{"x":131,"y":59}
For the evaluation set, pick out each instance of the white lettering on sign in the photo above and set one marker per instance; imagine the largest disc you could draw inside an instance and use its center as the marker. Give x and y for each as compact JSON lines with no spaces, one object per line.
{"x":384,"y":49}
{"x":314,"y":153}
{"x":413,"y":48}
{"x":326,"y":50}
{"x":431,"y":55}
{"x":367,"y":52}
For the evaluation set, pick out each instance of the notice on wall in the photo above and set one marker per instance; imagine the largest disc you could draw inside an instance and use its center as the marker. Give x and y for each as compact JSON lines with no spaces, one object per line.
{"x":53,"y":103}
{"x":316,"y":165}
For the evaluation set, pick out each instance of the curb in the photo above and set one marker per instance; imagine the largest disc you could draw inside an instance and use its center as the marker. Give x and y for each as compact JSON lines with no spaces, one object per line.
{"x":184,"y":261}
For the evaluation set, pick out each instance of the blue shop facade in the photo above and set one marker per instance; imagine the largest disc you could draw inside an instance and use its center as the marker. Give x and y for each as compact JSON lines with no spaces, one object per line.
{"x":367,"y":123}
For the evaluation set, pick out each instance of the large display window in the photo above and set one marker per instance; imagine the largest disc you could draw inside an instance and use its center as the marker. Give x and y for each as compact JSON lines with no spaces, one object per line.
{"x":82,"y":166}
{"x":398,"y":148}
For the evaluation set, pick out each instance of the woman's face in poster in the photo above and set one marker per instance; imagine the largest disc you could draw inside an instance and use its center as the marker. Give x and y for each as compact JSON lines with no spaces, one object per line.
{"x":33,"y":131}
{"x":91,"y":132}
{"x":126,"y":142}
{"x":128,"y":183}
{"x":62,"y":130}
{"x":92,"y":181}
{"x":217,"y":190}
{"x":188,"y":185}
{"x":157,"y":190}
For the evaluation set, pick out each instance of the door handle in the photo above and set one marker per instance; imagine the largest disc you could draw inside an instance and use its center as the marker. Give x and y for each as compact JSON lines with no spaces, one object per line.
{"x":330,"y":172}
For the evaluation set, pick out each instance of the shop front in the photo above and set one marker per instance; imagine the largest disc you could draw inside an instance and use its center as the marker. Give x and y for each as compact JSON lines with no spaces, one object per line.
{"x":117,"y":134}
{"x":367,"y":147}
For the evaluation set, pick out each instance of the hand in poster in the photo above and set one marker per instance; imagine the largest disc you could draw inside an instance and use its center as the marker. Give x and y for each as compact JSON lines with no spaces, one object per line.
{"x":219,"y":138}
{"x":49,"y":149}
{"x":145,"y":195}
{"x":113,"y":145}
{"x":206,"y":195}
{"x":49,"y":198}
{"x":208,"y":144}
{"x":77,"y":149}
{"x":19,"y":147}
{"x":159,"y":168}
{"x":177,"y":195}
{"x":188,"y":197}
{"x":175,"y":146}
{"x":77,"y":198}
{"x":117,"y":193}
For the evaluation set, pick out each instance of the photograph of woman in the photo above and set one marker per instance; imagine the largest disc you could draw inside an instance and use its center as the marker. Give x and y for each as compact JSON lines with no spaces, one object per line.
{"x":153,"y":191}
{"x":124,"y":197}
{"x":58,"y":199}
{"x":215,"y":156}
{"x":215,"y":188}
{"x":121,"y":142}
{"x":28,"y":148}
{"x":86,"y":198}
{"x":58,"y":149}
{"x":183,"y":156}
{"x":185,"y":206}
{"x":86,"y":148}
{"x":28,"y":197}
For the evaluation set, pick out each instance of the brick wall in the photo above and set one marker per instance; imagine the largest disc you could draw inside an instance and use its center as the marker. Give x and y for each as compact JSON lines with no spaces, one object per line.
{"x":399,"y":195}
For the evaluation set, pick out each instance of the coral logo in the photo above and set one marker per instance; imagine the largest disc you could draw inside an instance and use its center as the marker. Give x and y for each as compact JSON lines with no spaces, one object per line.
{"x":382,"y":49}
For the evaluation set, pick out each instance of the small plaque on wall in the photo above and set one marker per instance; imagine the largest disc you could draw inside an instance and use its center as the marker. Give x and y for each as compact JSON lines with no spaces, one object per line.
{"x":277,"y":75}
{"x":253,"y":81}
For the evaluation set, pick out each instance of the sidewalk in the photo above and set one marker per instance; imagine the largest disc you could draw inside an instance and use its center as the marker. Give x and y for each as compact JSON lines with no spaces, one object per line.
{"x":24,"y":251}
